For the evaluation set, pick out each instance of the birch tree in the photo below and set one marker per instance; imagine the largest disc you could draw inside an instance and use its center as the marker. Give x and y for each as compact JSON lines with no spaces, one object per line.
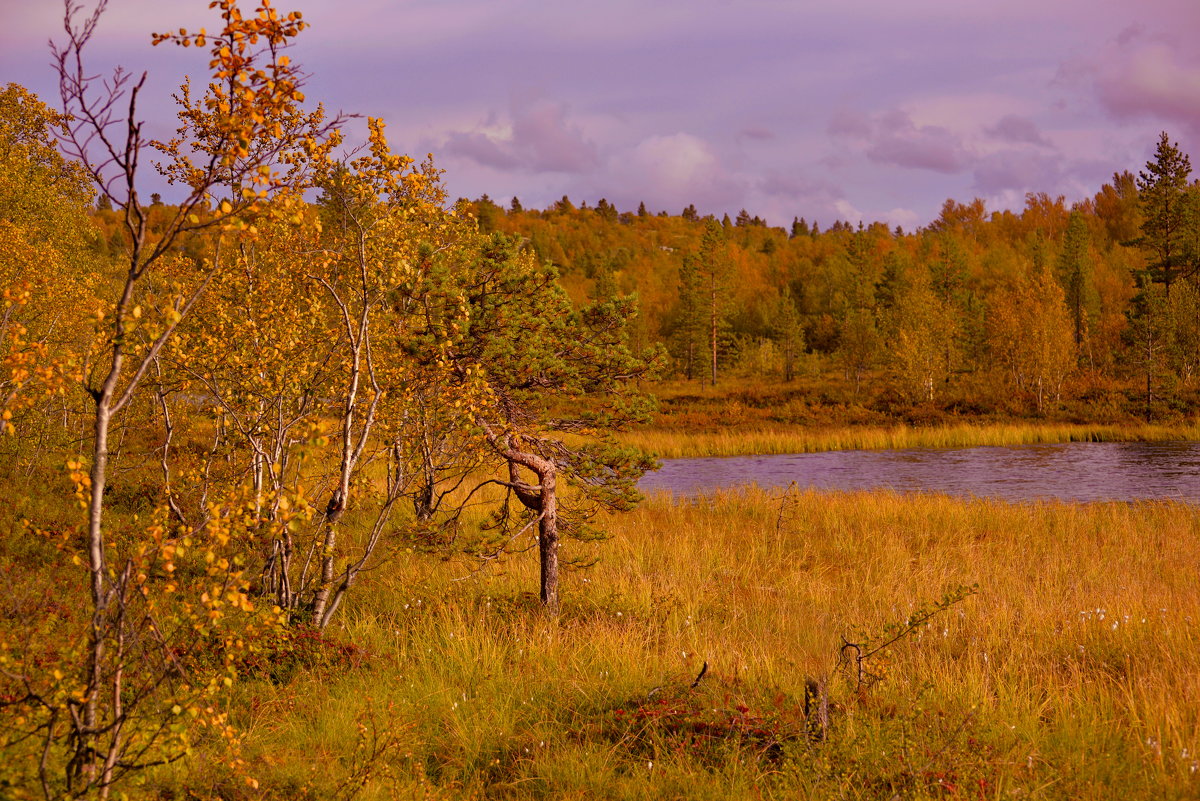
{"x":244,"y":137}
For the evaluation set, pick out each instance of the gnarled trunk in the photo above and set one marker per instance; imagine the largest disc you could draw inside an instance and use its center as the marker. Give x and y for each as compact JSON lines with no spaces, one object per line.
{"x":542,"y":499}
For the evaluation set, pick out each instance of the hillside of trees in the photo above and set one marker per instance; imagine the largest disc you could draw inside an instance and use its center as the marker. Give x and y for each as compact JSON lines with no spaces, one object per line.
{"x":1089,"y":311}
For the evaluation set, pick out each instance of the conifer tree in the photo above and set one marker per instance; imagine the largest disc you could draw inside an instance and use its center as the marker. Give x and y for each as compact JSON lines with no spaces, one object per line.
{"x":1168,"y":215}
{"x":507,"y":336}
{"x":715,"y":276}
{"x":858,"y":344}
{"x":689,"y":326}
{"x":606,"y":210}
{"x":1075,"y":274}
{"x":1148,"y":336}
{"x":788,"y":332}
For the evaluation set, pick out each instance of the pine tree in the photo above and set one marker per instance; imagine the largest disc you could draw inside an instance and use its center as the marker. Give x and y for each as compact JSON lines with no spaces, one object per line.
{"x":858,"y":345}
{"x":487,"y":212}
{"x":715,"y":269}
{"x":1148,"y":336}
{"x":689,"y":328}
{"x":788,"y":332}
{"x":1075,"y":274}
{"x":1168,"y":216}
{"x":606,"y":210}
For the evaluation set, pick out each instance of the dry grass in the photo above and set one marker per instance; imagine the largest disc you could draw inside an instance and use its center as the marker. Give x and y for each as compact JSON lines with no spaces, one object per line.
{"x":778,"y":439}
{"x":1073,"y":673}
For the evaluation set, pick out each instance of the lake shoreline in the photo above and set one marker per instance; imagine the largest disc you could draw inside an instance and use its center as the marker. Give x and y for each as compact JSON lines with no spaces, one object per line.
{"x":793,"y":439}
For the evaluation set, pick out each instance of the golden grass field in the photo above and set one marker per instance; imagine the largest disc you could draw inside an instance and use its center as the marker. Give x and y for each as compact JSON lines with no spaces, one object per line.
{"x":1073,"y":672}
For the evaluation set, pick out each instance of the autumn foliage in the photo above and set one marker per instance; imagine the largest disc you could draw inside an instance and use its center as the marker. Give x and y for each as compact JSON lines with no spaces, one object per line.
{"x":282,"y":368}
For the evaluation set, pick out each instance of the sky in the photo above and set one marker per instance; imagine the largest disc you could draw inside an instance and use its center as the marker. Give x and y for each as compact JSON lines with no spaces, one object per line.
{"x":824,"y":109}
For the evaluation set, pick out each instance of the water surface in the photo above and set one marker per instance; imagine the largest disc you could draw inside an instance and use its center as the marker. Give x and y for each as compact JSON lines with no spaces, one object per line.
{"x":1078,"y":471}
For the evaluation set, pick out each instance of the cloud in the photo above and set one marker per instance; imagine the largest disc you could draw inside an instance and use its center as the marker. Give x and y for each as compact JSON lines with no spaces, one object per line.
{"x":793,"y":194}
{"x":757,"y":134}
{"x":482,"y":149}
{"x":1011,"y":156}
{"x":684,"y":166}
{"x":539,"y":139}
{"x":550,"y":143}
{"x":1016,"y":130}
{"x":897,"y":140}
{"x":848,"y":212}
{"x":1138,"y":75}
{"x":1019,"y":170}
{"x":1130,"y":34}
{"x":892,"y":137}
{"x":905,"y":218}
{"x":850,"y":123}
{"x":794,"y":186}
{"x":672,"y":170}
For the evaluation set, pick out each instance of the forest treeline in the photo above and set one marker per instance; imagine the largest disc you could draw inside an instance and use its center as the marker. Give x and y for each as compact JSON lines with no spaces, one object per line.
{"x":1090,"y":309}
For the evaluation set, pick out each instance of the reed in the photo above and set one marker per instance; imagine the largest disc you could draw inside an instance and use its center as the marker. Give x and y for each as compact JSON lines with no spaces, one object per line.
{"x":675,"y":443}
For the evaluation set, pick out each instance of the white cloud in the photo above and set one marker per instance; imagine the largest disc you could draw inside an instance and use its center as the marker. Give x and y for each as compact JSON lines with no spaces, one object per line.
{"x":680,"y":168}
{"x":539,"y":139}
{"x":892,"y":137}
{"x":1139,"y":75}
{"x":1015,"y":129}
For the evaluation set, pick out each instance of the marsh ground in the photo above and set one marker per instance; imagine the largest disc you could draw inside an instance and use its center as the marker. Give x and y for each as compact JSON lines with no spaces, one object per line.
{"x":1072,"y":672}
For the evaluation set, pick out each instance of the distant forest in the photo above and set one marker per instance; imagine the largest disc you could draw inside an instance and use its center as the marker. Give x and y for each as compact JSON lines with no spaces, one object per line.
{"x":1093,"y":307}
{"x":1090,"y":310}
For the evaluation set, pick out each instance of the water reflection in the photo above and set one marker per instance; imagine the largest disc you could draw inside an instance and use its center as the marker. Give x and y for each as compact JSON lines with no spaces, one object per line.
{"x":1080,"y":471}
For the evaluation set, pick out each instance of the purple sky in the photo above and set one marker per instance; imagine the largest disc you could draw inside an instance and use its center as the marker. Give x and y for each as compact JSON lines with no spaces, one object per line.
{"x":873,"y":109}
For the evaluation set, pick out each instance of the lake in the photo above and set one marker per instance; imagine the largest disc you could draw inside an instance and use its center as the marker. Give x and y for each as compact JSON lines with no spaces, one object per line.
{"x":1077,"y":471}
